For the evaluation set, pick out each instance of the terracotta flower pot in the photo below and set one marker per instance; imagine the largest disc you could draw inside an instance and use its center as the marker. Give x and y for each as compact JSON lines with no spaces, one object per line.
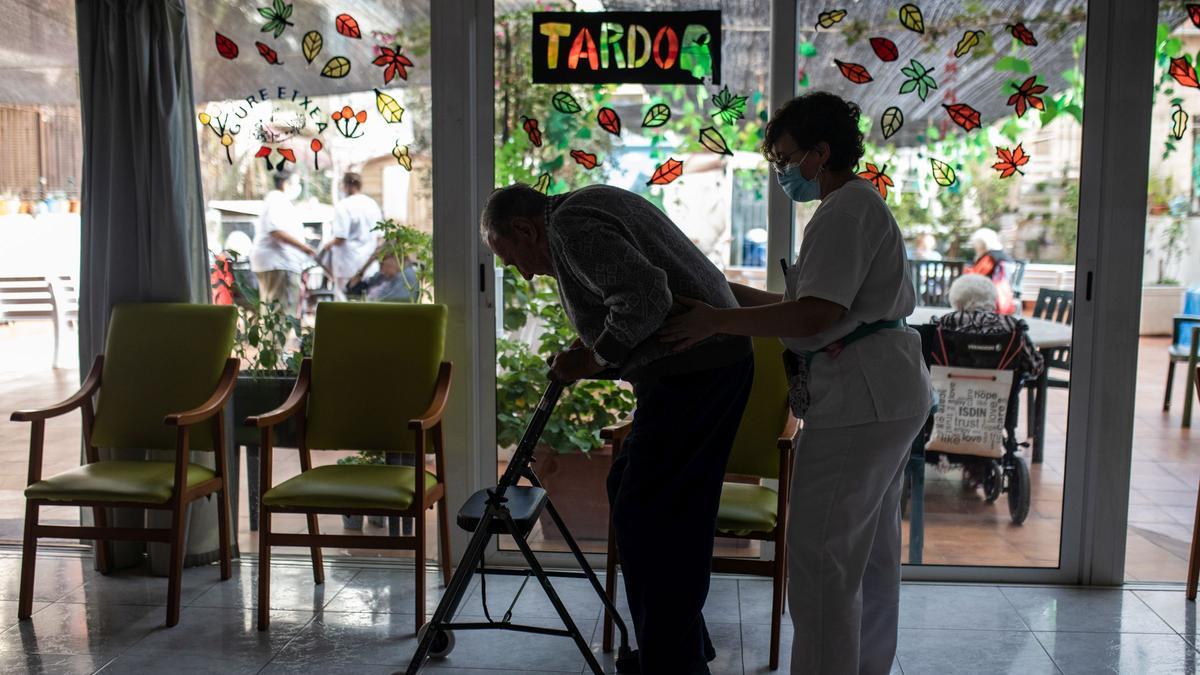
{"x":576,"y":482}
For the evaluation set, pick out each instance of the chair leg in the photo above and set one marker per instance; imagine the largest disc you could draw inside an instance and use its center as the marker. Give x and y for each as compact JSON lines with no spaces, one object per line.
{"x":318,"y":562}
{"x":777,"y":597}
{"x":103,"y":563}
{"x":419,"y":567}
{"x":1194,"y":555}
{"x":1170,"y":381}
{"x":175,"y":573}
{"x":1030,"y":430}
{"x":223,"y":533}
{"x":610,"y":587}
{"x":264,"y":568}
{"x":1189,"y":393}
{"x":443,"y":516}
{"x":28,"y":562}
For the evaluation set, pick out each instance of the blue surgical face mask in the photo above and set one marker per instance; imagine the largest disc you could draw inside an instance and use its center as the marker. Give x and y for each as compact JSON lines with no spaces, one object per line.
{"x":796,"y":186}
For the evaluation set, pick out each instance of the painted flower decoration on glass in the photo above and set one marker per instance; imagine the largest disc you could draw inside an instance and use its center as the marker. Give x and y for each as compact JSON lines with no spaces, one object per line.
{"x":347,"y":122}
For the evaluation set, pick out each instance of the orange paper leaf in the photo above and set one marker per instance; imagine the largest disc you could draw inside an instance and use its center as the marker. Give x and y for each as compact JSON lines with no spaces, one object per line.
{"x":878,"y":178}
{"x":963,"y":115}
{"x":854,"y":72}
{"x":1011,"y":161}
{"x":585,"y":159}
{"x":347,"y":25}
{"x":666,"y":172}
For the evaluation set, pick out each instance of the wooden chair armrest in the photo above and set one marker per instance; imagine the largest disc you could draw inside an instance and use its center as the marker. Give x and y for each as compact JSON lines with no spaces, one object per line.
{"x":294,"y":403}
{"x":617,"y":432}
{"x":787,"y":438}
{"x":90,"y":384}
{"x":214,"y":404}
{"x":437,"y":407}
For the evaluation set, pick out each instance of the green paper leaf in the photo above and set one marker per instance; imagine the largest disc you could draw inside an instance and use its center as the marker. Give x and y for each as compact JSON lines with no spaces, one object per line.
{"x":1012,"y":64}
{"x":656,"y":116}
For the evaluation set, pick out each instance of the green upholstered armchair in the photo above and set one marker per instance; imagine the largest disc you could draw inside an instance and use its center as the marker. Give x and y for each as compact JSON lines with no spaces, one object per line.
{"x":762,"y":449}
{"x":162,"y":383}
{"x":376,"y":381}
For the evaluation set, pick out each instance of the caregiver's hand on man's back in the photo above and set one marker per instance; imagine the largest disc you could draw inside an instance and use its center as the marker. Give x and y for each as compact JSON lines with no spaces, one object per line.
{"x":574,"y":364}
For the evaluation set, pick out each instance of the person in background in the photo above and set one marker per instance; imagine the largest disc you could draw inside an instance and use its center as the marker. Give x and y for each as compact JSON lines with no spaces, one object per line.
{"x":973,"y":298}
{"x":926,"y":248}
{"x":989,"y":262}
{"x":392,"y":283}
{"x":354,"y":238}
{"x":279,"y":251}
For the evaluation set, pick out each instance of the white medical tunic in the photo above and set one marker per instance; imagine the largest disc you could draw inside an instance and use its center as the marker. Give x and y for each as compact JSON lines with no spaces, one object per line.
{"x":852,"y":254}
{"x":354,"y":219}
{"x":269,"y":253}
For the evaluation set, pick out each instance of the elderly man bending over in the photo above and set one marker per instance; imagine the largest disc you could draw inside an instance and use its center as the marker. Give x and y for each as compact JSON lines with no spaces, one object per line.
{"x":618,"y":261}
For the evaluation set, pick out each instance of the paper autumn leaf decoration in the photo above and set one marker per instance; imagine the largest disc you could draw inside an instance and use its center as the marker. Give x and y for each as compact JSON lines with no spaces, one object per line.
{"x":969,"y":40}
{"x":226,"y":47}
{"x":885,"y":49}
{"x":943,"y":173}
{"x":828,"y":19}
{"x":565,"y":103}
{"x":543,"y":184}
{"x":1183,"y":72}
{"x":656,"y":116}
{"x":891,"y":121}
{"x":1020,"y":32}
{"x":393,"y":62}
{"x":1010,"y":161}
{"x":713,"y":141}
{"x":277,"y":16}
{"x":1193,"y":11}
{"x":730,"y":107}
{"x":919,"y":79}
{"x":400,"y":152}
{"x":963,"y":115}
{"x":1179,"y":122}
{"x":268,"y":54}
{"x":388,"y":107}
{"x":910,"y":18}
{"x":347,"y":25}
{"x":316,"y":146}
{"x":530,"y":126}
{"x":1027,"y":96}
{"x":337,"y":67}
{"x":609,"y":121}
{"x":311,"y":45}
{"x":878,"y":178}
{"x":853,"y":72}
{"x":666,"y":172}
{"x":585,"y":159}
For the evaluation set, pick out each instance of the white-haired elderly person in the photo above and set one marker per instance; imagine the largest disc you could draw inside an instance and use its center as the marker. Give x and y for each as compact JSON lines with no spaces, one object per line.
{"x":973,"y":298}
{"x":989,"y":261}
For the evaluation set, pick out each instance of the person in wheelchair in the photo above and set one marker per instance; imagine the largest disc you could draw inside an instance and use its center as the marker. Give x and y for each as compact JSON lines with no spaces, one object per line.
{"x":976,"y":336}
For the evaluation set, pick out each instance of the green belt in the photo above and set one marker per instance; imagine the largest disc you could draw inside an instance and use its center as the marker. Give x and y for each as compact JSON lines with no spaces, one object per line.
{"x":863,"y":330}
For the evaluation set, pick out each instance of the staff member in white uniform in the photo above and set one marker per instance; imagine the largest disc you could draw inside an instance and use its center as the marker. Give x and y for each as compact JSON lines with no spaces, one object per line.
{"x":867,"y":390}
{"x":354,"y":239}
{"x":279,"y":252}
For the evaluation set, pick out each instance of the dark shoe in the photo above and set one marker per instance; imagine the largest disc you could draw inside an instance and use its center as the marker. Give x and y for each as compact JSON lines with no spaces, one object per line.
{"x":630,"y":664}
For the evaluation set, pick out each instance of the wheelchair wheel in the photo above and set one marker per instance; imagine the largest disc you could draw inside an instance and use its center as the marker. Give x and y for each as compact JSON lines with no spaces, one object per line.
{"x":1019,"y":491}
{"x":443,"y":642}
{"x":993,"y":481}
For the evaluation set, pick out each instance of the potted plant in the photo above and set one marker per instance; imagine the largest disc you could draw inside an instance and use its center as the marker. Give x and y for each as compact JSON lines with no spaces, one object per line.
{"x":571,"y":460}
{"x":1166,"y":239}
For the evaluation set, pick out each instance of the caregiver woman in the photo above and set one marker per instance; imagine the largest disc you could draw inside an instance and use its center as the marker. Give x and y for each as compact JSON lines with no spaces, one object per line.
{"x":867,"y":394}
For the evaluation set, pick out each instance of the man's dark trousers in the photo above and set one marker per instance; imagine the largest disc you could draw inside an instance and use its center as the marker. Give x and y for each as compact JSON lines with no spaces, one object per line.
{"x":664,"y":490}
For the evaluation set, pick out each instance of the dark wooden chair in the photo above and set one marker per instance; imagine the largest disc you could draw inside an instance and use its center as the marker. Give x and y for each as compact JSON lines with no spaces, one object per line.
{"x":932,"y":278}
{"x":763,"y":448}
{"x":1056,"y":306}
{"x":1182,"y":324}
{"x":163,"y":382}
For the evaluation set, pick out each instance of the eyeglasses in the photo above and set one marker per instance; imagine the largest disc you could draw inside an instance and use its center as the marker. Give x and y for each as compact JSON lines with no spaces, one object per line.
{"x":782,"y":163}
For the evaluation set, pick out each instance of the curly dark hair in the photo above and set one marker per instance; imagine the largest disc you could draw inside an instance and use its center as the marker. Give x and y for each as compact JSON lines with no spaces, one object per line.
{"x":814,"y":117}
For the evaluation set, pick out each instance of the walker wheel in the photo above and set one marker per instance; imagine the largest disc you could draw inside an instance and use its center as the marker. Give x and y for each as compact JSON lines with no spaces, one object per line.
{"x":442,"y":644}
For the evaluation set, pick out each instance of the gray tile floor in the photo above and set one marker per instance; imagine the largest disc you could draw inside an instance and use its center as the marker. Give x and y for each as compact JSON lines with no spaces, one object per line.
{"x":361,"y":622}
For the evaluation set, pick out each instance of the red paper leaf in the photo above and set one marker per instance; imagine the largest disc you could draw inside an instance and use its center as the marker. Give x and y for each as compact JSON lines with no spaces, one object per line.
{"x":268,"y":54}
{"x":609,"y":121}
{"x":531,"y":128}
{"x":1183,"y":72}
{"x":885,"y":49}
{"x":226,"y":47}
{"x":1010,"y":161}
{"x":347,"y":25}
{"x":1023,"y":34}
{"x":963,"y":115}
{"x":878,"y":178}
{"x":1193,"y":11}
{"x":666,"y":172}
{"x":1027,"y":96}
{"x":393,"y":62}
{"x":585,"y":159}
{"x":287,"y":154}
{"x":854,"y":72}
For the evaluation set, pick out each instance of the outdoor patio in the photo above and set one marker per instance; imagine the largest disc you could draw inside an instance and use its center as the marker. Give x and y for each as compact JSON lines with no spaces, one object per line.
{"x":961,"y":528}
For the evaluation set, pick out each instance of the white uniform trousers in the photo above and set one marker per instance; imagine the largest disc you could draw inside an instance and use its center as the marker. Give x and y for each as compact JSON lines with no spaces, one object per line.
{"x":844,"y":546}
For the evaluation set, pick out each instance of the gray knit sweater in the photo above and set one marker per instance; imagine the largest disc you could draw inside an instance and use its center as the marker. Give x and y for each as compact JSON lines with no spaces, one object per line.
{"x":619,"y":260}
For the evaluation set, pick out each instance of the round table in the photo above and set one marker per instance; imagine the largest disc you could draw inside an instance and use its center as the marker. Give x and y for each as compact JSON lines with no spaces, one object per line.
{"x":1045,"y":334}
